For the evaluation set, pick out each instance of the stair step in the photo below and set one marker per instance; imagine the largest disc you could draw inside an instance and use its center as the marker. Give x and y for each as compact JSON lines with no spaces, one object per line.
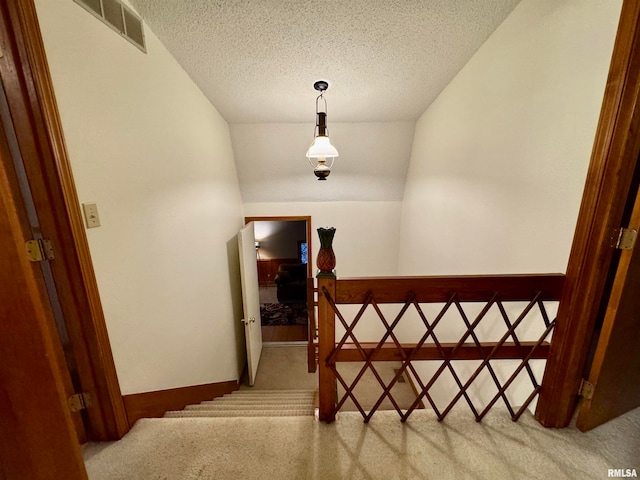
{"x":240,"y":413}
{"x":268,"y":395}
{"x":260,"y":401}
{"x":223,"y":406}
{"x":255,"y":405}
{"x":264,"y":397}
{"x":252,"y":403}
{"x":268,"y":392}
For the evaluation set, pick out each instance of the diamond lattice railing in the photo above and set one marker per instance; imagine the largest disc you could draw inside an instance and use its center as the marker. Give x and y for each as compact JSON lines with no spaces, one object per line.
{"x":429,"y":347}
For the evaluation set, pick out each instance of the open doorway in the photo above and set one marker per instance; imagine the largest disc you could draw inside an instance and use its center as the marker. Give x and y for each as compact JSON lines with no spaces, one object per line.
{"x":282,"y":252}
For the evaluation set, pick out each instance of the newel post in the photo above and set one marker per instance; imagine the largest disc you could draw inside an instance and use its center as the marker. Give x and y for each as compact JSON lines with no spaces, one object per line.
{"x":326,"y":325}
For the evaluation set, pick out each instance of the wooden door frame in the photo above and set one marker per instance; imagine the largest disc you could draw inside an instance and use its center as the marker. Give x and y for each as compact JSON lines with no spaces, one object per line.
{"x":37,"y":433}
{"x":613,"y":161}
{"x":34,"y":111}
{"x":613,"y":371}
{"x":311,"y":325}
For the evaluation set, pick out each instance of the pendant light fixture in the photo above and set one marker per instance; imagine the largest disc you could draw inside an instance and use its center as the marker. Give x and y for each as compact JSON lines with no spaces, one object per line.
{"x":321,"y":149}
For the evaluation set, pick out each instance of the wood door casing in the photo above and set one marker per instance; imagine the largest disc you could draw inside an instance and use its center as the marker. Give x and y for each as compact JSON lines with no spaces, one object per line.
{"x":14,"y":168}
{"x":277,"y":334}
{"x":37,"y":434}
{"x":615,"y":370}
{"x":34,"y":113}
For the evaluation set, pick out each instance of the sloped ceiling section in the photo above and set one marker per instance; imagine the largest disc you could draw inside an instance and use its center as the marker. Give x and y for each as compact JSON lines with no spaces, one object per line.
{"x":372,"y":165}
{"x":385,"y":61}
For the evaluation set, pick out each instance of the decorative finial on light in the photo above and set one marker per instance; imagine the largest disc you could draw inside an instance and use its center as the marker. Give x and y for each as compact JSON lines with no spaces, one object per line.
{"x":321,"y":149}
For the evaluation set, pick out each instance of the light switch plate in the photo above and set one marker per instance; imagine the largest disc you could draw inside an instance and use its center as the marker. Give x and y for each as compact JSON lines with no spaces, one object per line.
{"x":91,"y":215}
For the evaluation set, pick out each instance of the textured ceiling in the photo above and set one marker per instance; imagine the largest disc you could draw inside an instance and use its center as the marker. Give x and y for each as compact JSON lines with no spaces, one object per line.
{"x":386,"y":61}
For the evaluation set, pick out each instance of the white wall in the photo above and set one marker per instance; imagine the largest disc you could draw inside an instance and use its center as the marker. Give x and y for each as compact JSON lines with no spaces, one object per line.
{"x":499,"y":159}
{"x":156,"y":157}
{"x":499,"y":162}
{"x":366,"y":239}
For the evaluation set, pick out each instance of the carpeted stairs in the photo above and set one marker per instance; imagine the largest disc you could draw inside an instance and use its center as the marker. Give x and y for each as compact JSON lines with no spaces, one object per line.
{"x":253,"y":403}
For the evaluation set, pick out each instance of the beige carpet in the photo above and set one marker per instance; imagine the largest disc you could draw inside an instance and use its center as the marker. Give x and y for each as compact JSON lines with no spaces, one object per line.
{"x":422,"y":448}
{"x":301,"y":448}
{"x":285,"y":368}
{"x":368,"y":389}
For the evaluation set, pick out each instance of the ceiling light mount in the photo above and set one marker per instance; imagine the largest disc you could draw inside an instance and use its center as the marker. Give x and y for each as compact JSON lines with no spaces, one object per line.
{"x":321,"y":149}
{"x":321,"y":85}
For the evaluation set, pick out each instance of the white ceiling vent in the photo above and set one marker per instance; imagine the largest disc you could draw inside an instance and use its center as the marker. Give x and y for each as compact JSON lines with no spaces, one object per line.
{"x":119,"y":17}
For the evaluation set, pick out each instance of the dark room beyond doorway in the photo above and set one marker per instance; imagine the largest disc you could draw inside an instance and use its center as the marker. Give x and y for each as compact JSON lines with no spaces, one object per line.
{"x":282,"y":258}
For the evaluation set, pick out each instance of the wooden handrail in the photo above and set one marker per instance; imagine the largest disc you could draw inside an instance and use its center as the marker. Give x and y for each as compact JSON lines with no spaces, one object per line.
{"x":469,"y":288}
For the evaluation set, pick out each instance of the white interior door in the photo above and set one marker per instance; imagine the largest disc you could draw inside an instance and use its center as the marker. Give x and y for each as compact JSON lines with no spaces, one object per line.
{"x":250,"y":299}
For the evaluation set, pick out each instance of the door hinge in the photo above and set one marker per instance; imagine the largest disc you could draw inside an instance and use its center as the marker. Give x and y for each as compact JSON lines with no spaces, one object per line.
{"x":39,"y":250}
{"x":80,"y":401}
{"x":625,"y":238}
{"x":586,"y":389}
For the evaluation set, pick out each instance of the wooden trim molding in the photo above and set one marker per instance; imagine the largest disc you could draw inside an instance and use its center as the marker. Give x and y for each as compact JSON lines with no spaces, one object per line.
{"x":155,"y":404}
{"x":37,"y":435}
{"x":434,"y":289}
{"x":613,"y":162}
{"x":59,"y":208}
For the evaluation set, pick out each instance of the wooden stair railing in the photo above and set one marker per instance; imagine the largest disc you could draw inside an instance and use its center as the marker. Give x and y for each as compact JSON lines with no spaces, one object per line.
{"x":412,"y":292}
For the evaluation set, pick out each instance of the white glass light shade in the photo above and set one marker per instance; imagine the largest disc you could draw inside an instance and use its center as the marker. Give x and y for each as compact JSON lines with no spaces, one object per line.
{"x":321,"y":148}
